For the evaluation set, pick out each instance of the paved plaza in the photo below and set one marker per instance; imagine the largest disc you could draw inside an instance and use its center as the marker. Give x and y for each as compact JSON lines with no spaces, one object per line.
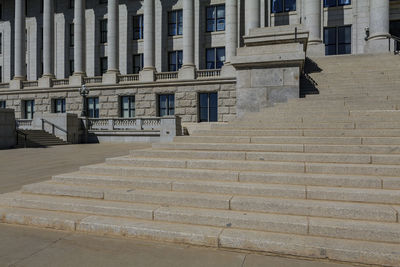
{"x":26,"y":246}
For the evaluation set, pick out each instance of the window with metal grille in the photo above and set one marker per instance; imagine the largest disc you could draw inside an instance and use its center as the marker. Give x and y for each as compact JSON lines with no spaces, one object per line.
{"x":93,"y":107}
{"x":3,"y":104}
{"x":59,"y":105}
{"x":71,"y":35}
{"x":138,"y":27}
{"x":103,"y":65}
{"x":337,"y":40}
{"x":137,"y":63}
{"x":332,"y":3}
{"x":103,"y":31}
{"x":29,"y":109}
{"x":279,"y":6}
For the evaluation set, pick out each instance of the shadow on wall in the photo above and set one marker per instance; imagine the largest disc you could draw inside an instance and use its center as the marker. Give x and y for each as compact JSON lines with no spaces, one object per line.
{"x":307,"y":85}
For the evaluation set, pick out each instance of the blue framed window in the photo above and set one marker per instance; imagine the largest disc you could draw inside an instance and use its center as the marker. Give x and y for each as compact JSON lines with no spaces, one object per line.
{"x":175,"y":22}
{"x":127,"y":106}
{"x":29,"y":109}
{"x":59,"y":105}
{"x":279,"y":6}
{"x":166,"y":105}
{"x":103,"y":31}
{"x":175,"y":60}
{"x":208,"y":107}
{"x":332,"y":3}
{"x":138,"y":27}
{"x":337,"y":40}
{"x":93,"y":107}
{"x":137,"y":63}
{"x":2,"y":104}
{"x":215,"y":57}
{"x":215,"y":18}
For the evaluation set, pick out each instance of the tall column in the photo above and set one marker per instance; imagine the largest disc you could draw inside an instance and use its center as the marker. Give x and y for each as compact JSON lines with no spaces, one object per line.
{"x":148,"y":72}
{"x":79,"y":38}
{"x":231,"y":35}
{"x":378,"y":26}
{"x":148,"y":34}
{"x":312,"y":22}
{"x":188,"y":70}
{"x":252,"y":15}
{"x":48,"y":38}
{"x":111,"y":77}
{"x":19,"y":45}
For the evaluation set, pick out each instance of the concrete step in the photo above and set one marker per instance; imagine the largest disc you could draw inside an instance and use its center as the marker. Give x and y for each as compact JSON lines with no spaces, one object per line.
{"x":309,"y":148}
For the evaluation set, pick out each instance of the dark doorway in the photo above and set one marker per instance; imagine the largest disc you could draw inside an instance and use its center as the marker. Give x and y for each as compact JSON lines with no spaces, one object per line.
{"x":395,"y":30}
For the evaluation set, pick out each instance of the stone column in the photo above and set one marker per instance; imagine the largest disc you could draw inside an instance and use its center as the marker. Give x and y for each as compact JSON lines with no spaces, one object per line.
{"x":312,"y":22}
{"x":378,"y":26}
{"x":188,"y":70}
{"x":252,"y":15}
{"x":48,"y":44}
{"x":112,"y":43}
{"x":19,"y":46}
{"x":148,"y":72}
{"x":231,"y":37}
{"x":79,"y":43}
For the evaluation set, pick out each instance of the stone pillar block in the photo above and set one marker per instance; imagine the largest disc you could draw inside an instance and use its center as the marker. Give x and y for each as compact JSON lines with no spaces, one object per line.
{"x":170,"y":127}
{"x":187,"y":72}
{"x":228,"y":70}
{"x":45,"y":82}
{"x":147,"y":75}
{"x":110,"y":77}
{"x":76,"y":80}
{"x":16,"y":84}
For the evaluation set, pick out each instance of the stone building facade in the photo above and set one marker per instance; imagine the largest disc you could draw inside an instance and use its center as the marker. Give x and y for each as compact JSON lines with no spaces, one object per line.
{"x":152,"y":48}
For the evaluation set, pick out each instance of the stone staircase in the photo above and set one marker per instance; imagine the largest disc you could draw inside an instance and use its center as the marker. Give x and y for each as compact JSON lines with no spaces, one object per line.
{"x":38,"y":138}
{"x":317,"y":177}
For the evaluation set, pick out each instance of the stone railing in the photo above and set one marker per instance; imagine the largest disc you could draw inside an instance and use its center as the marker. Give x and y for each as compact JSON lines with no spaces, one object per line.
{"x":121,"y":124}
{"x":23,"y":124}
{"x":202,"y":74}
{"x":91,"y":80}
{"x":4,"y":85}
{"x":172,"y":75}
{"x":58,"y":82}
{"x":129,"y":78}
{"x":31,"y":83}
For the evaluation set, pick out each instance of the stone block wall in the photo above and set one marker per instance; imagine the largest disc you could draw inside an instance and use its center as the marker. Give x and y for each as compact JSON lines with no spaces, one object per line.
{"x":146,"y":99}
{"x":7,"y":128}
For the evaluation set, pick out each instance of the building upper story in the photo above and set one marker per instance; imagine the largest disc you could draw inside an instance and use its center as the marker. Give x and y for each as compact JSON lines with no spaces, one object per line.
{"x":341,"y":25}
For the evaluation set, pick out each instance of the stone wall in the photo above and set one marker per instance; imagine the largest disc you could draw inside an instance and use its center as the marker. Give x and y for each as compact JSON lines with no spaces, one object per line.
{"x":7,"y":128}
{"x":146,"y":99}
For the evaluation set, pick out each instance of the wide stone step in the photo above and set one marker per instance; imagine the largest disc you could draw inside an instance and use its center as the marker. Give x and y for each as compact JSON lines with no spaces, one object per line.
{"x":128,"y":175}
{"x":309,"y":148}
{"x":269,"y":156}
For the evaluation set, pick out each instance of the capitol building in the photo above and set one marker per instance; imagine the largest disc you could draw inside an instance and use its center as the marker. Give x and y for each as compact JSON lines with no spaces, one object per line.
{"x":163,"y":57}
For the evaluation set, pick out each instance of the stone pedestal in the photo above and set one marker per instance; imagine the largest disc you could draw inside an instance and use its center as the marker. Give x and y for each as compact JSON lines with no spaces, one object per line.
{"x":228,"y":70}
{"x":187,"y":72}
{"x":378,"y":45}
{"x":316,"y":50}
{"x":110,"y":77}
{"x":46,"y":82}
{"x":16,"y":84}
{"x":268,"y":67}
{"x":147,"y":75}
{"x":76,"y":79}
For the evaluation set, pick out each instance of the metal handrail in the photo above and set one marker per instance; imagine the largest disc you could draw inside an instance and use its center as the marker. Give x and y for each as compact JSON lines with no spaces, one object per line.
{"x":23,"y":134}
{"x":53,"y":127}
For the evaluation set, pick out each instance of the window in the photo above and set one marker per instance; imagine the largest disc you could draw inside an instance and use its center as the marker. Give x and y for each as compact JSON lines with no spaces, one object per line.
{"x":1,"y":43}
{"x":103,"y":31}
{"x":41,"y":6}
{"x":103,"y":65}
{"x":137,"y":27}
{"x":337,"y":40}
{"x":215,"y":57}
{"x":1,"y":11}
{"x":175,"y":60}
{"x":71,"y":67}
{"x":29,"y":109}
{"x":71,"y":35}
{"x":137,"y":63}
{"x":103,"y":1}
{"x":93,"y":107}
{"x":71,"y":4}
{"x":2,"y":104}
{"x":216,"y":18}
{"x":208,"y":107}
{"x":127,"y":106}
{"x":279,"y":6}
{"x":332,"y":3}
{"x":166,"y":104}
{"x":175,"y":23}
{"x":59,"y":105}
